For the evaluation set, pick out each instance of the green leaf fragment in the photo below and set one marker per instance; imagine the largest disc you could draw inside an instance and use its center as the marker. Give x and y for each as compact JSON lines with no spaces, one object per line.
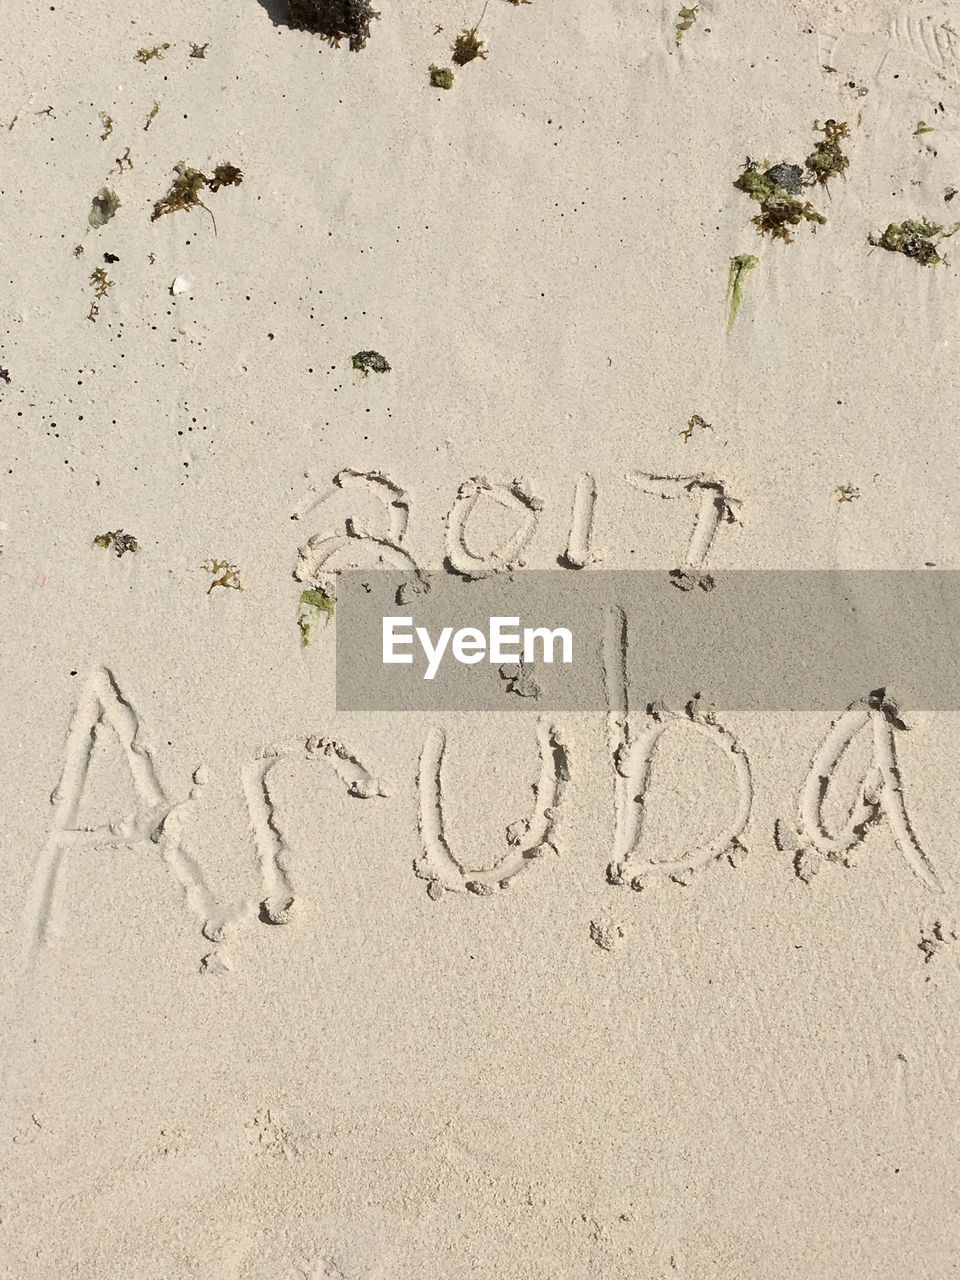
{"x":739,"y":267}
{"x":314,"y":605}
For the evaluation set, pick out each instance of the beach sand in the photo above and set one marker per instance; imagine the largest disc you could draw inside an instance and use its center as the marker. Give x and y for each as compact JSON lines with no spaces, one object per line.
{"x":748,"y":1068}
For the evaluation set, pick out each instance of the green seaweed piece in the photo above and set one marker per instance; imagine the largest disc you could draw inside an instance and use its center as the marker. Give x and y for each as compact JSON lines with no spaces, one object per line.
{"x":117,"y":541}
{"x":184,"y":192}
{"x":148,"y":55}
{"x":685,"y":20}
{"x":102,"y":284}
{"x":739,"y":267}
{"x":827,"y":159}
{"x":224,"y":574}
{"x":441,"y":77}
{"x":314,"y":604}
{"x":916,"y":239}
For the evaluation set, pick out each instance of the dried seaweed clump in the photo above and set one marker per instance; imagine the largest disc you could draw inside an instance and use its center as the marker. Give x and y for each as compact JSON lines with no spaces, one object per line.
{"x":367,"y":361}
{"x":148,"y":55}
{"x":468,"y":45}
{"x":103,"y":206}
{"x":225,"y":175}
{"x":778,"y":189}
{"x":441,"y":77}
{"x":780,"y":208}
{"x":917,"y":240}
{"x":117,"y":541}
{"x":334,"y":20}
{"x":314,"y":604}
{"x":827,"y":159}
{"x":185,"y":192}
{"x":739,"y":267}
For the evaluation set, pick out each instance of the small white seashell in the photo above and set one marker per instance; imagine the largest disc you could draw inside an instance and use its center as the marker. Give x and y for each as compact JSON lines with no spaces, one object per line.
{"x":181,"y":285}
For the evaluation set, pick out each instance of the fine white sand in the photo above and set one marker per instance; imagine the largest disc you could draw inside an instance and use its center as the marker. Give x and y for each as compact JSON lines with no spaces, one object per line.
{"x":746,"y":1070}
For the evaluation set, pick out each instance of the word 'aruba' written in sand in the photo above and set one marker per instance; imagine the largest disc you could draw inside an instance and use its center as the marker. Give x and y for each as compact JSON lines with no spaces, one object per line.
{"x":451,"y":865}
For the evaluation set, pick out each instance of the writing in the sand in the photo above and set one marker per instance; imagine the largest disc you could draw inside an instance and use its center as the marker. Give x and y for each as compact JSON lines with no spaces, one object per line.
{"x":446,"y":864}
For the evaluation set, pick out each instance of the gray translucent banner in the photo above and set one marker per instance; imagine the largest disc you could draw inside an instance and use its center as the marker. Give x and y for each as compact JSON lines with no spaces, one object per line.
{"x":743,"y":639}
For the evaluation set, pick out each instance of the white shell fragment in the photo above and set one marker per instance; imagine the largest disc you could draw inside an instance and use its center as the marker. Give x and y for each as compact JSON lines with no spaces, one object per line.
{"x":181,"y":285}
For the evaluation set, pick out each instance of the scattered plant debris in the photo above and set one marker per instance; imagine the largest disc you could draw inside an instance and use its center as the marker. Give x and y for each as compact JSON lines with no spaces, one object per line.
{"x":199,"y":50}
{"x":107,"y":122}
{"x":780,"y":209}
{"x":77,"y":250}
{"x":224,"y":574}
{"x":468,"y":46}
{"x":152,"y":116}
{"x":314,"y":604}
{"x":518,"y":3}
{"x":695,"y":422}
{"x":827,"y":159}
{"x":185,"y":192}
{"x":103,"y":207}
{"x":47,"y":111}
{"x":5,"y":376}
{"x":917,"y":239}
{"x":147,"y":55}
{"x":334,"y":20}
{"x":117,"y":541}
{"x":685,"y":20}
{"x":110,"y":257}
{"x":441,"y":77}
{"x":847,"y":492}
{"x":366,"y":361}
{"x":102,"y":285}
{"x":922,"y":127}
{"x":124,"y":161}
{"x":778,"y":189}
{"x":949,"y":194}
{"x":739,"y":268}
